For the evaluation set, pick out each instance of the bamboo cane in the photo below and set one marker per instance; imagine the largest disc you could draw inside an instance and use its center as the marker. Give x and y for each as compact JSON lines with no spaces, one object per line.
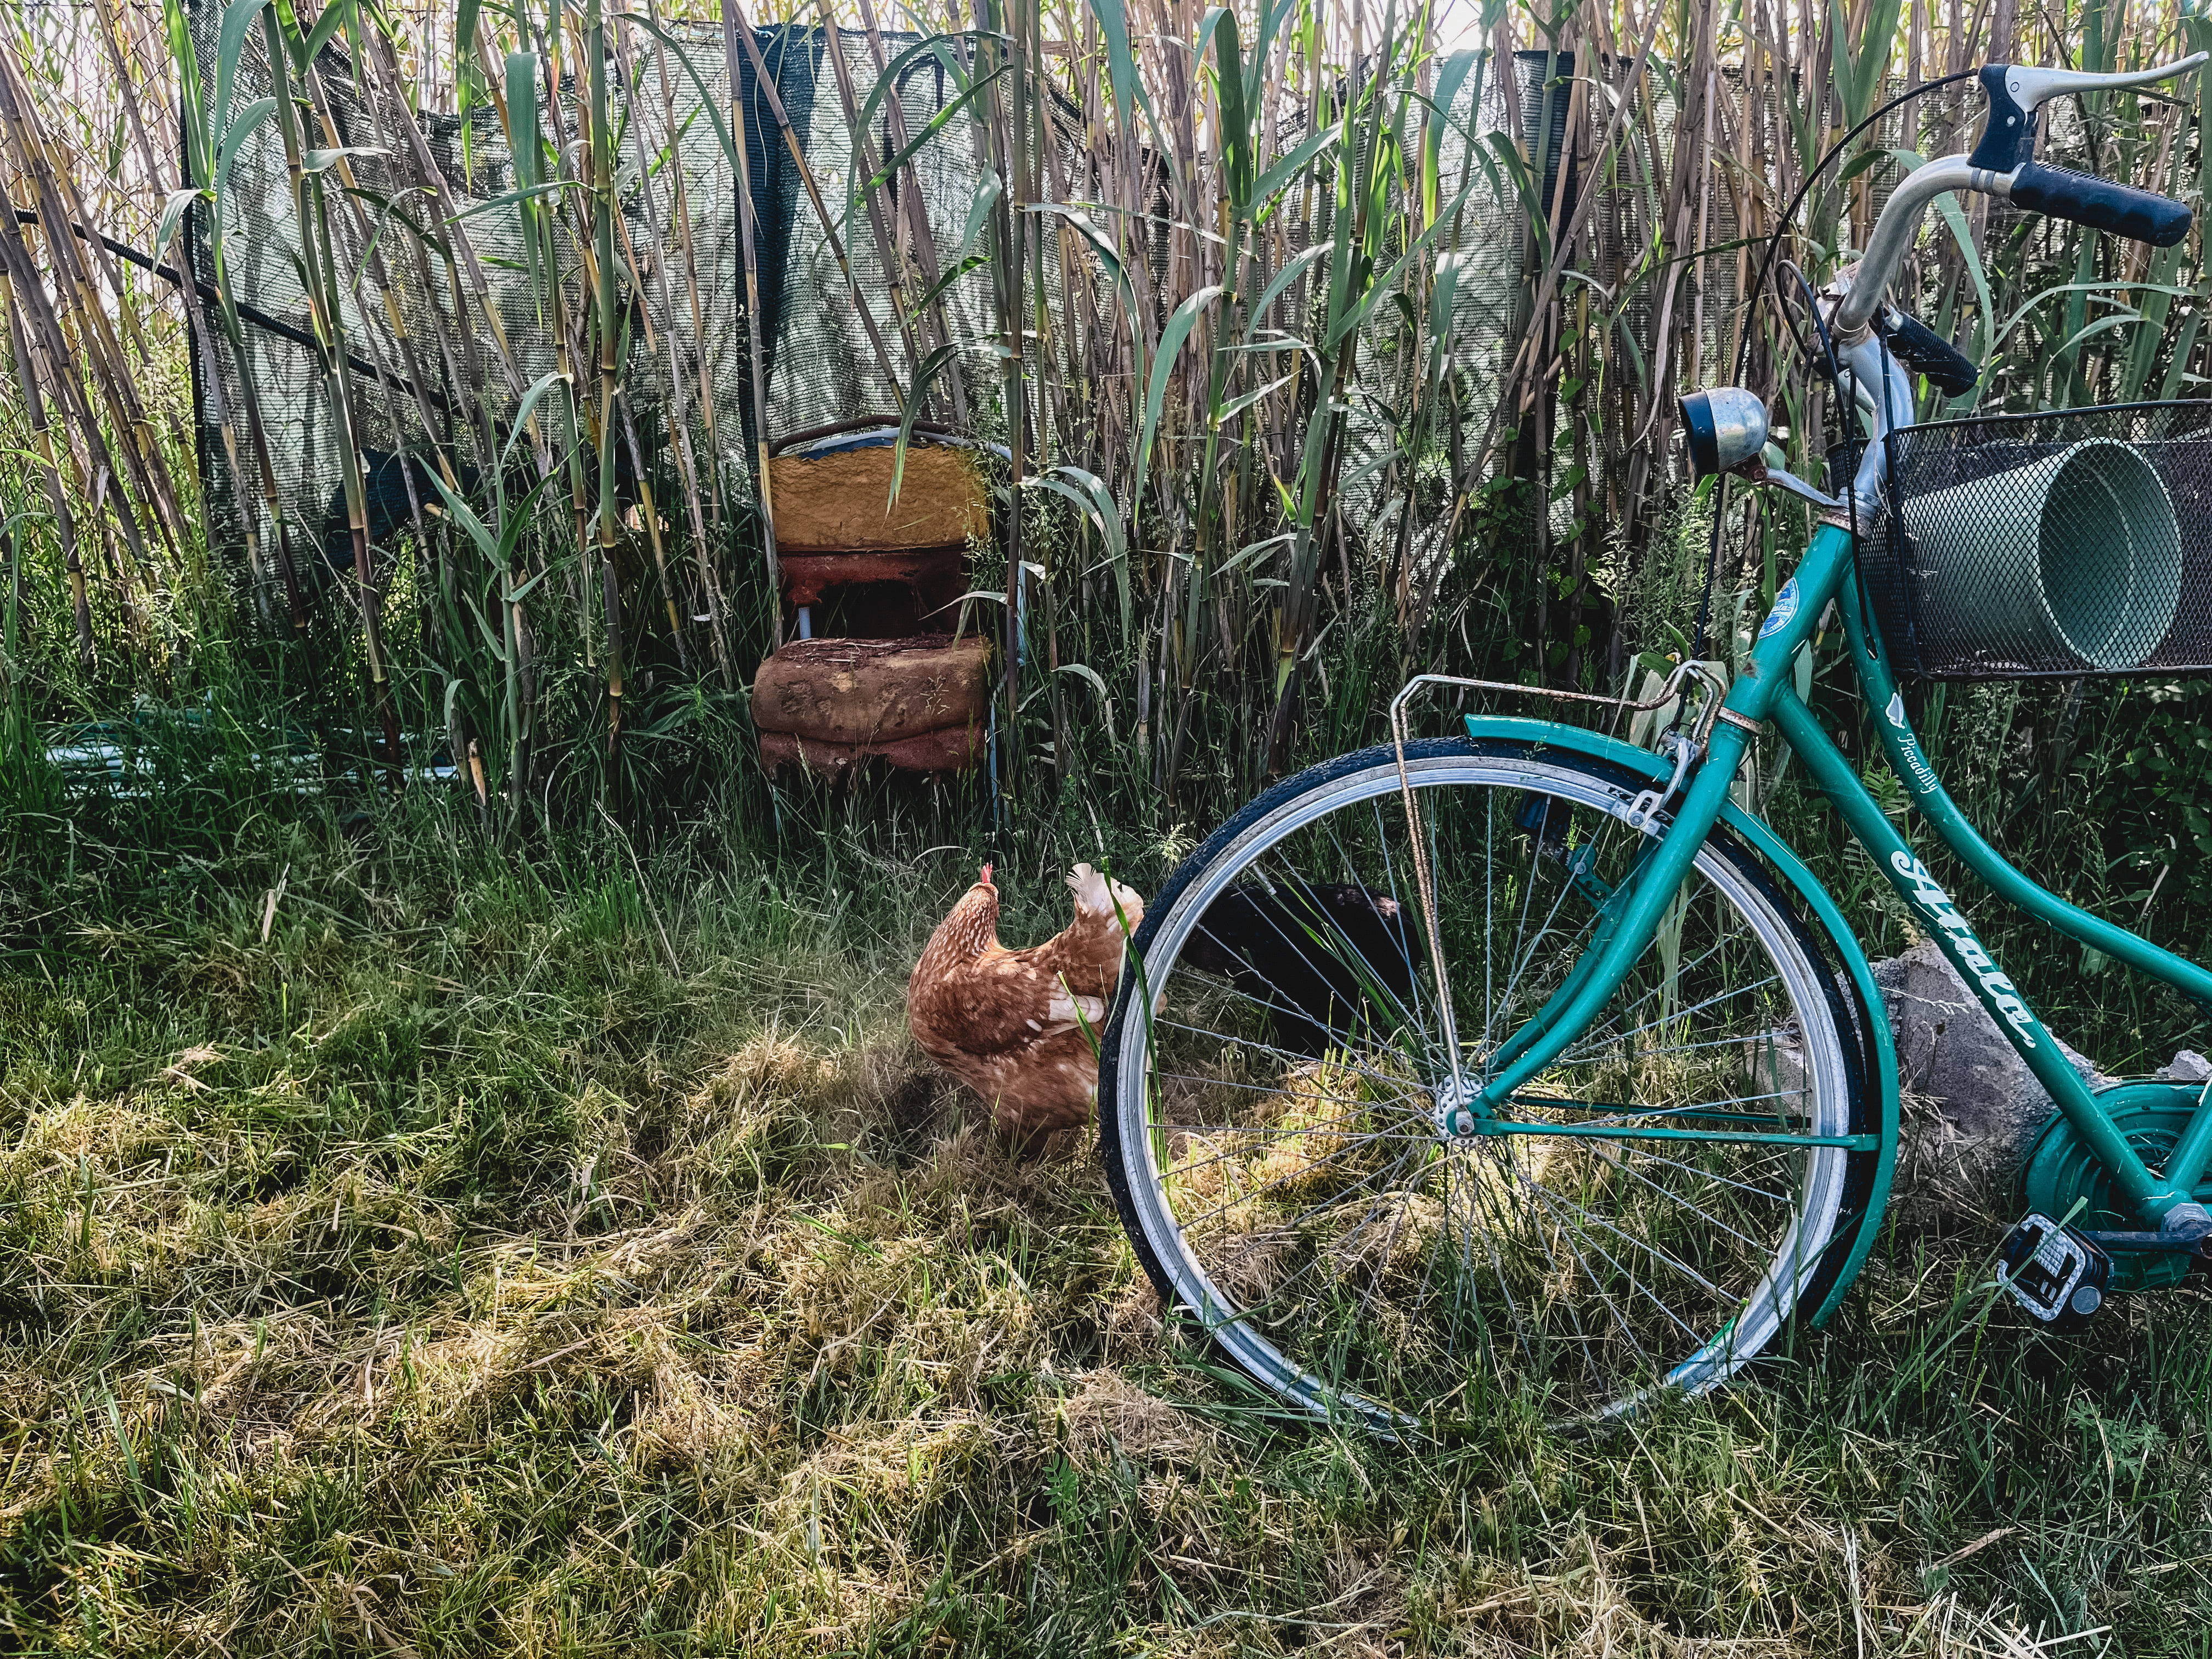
{"x":27,"y":378}
{"x":608,"y":324}
{"x":915,"y":212}
{"x":680,"y":434}
{"x":732,"y":26}
{"x":864,"y":163}
{"x":98,"y":357}
{"x":708,"y":408}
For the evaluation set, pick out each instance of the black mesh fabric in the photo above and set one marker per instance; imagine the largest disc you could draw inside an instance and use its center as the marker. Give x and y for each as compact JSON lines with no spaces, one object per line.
{"x":2059,"y":544}
{"x":441,"y":341}
{"x":821,"y":365}
{"x":692,"y":365}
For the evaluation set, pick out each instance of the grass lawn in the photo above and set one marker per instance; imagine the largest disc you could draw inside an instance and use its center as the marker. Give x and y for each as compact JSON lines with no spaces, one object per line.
{"x":461,"y":1257}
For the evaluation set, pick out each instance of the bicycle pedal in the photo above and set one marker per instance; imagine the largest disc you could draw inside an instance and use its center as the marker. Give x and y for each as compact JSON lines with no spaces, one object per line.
{"x":2053,"y":1272}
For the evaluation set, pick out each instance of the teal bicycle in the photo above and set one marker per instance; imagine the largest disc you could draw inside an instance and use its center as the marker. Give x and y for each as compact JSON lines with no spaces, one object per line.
{"x":1530,"y":1064}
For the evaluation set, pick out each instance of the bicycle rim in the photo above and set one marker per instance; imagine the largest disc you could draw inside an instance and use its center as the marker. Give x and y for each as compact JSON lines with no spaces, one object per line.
{"x":1643,"y":1217}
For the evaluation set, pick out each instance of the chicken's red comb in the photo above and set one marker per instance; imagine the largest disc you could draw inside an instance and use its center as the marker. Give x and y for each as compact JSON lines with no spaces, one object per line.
{"x":985,"y":878}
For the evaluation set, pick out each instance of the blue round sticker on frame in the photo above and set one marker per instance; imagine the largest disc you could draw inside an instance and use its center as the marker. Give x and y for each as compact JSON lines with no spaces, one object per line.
{"x":1785,"y":608}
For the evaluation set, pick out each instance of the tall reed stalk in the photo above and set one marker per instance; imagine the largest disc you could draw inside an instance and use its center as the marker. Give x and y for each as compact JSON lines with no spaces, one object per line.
{"x":1322,"y":343}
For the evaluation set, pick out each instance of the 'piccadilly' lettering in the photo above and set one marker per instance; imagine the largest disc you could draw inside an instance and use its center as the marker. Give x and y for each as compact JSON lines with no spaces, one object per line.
{"x":2003,"y":995}
{"x":1921,"y":771}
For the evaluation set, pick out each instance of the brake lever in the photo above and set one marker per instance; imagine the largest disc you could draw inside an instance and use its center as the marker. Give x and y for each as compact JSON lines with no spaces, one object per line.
{"x":2030,"y":86}
{"x":2015,"y":91}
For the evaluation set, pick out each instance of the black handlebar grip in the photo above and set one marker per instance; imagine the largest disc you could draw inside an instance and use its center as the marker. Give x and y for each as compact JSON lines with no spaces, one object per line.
{"x":2100,"y":204}
{"x":1925,"y":351}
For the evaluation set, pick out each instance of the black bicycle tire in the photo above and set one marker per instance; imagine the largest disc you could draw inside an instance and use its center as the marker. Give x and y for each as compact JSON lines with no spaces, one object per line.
{"x":1852,"y":1020}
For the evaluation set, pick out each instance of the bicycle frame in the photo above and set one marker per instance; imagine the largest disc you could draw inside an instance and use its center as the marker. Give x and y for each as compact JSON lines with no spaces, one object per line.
{"x":1764,"y":693}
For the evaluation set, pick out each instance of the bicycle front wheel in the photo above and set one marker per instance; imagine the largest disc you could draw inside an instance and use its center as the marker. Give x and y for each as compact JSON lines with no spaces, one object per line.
{"x":1281,"y":1132}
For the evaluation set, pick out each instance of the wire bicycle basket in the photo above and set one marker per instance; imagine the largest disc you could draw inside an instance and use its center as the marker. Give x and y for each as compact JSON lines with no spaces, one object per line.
{"x":2072,"y":542}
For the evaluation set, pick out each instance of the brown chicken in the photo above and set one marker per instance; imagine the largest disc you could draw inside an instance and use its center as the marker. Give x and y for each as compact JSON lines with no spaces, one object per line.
{"x":1004,"y":1022}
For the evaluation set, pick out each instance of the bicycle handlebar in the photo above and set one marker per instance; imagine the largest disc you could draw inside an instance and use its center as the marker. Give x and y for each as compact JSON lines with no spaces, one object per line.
{"x":1892,"y":235}
{"x":2004,"y":164}
{"x":1925,"y":351}
{"x":2100,"y":204}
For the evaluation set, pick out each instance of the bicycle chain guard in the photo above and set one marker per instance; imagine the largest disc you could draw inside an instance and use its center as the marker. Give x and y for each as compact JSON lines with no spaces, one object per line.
{"x":2061,"y":1173}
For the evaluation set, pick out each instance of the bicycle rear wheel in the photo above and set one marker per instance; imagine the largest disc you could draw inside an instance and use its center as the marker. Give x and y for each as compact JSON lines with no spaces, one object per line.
{"x":1646,"y":1215}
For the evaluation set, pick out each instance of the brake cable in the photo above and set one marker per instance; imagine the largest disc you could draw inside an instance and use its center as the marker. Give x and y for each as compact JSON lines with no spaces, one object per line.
{"x":1743,"y":347}
{"x":1849,"y":404}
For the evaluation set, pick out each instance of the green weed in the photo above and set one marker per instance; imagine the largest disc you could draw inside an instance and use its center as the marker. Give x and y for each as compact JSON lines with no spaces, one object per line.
{"x":453,"y":1272}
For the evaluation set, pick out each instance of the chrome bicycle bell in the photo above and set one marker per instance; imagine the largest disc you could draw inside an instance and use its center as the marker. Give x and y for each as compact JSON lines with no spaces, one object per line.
{"x":1726,"y":426}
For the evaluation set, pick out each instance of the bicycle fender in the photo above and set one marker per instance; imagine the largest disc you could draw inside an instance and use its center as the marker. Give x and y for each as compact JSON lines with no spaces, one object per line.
{"x":1544,"y":734}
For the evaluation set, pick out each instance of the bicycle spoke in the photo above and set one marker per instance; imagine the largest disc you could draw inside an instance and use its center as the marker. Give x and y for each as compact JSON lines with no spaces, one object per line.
{"x":1422,"y":1138}
{"x":1705,"y":1215}
{"x":1679,"y":1014}
{"x":1413,"y":957}
{"x":1644,"y":1245}
{"x":1294,"y":1226}
{"x":1284,"y":1055}
{"x":1645,"y":1152}
{"x":1596,"y":1284}
{"x":1354,"y":1254}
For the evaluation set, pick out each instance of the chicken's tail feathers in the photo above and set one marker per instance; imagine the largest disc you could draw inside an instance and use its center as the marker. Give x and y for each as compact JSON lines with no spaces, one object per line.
{"x":1131,"y":904}
{"x":1101,"y":895}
